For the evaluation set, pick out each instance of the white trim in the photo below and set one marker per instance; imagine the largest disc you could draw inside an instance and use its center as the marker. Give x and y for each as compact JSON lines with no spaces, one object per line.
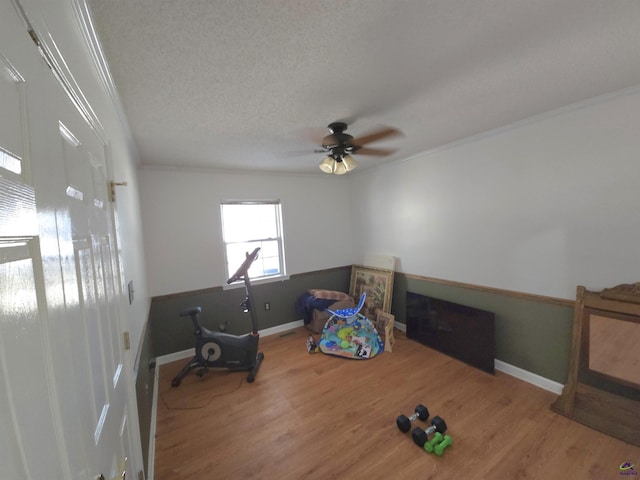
{"x":579,"y":105}
{"x":258,"y":281}
{"x":281,"y":328}
{"x":85,"y":23}
{"x":152,"y":427}
{"x":172,"y":357}
{"x":528,"y":377}
{"x":516,"y":372}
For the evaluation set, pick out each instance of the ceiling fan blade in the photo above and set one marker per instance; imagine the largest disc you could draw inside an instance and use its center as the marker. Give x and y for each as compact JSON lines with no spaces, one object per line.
{"x":376,"y":152}
{"x":301,"y":153}
{"x":313,"y":135}
{"x":374,"y":136}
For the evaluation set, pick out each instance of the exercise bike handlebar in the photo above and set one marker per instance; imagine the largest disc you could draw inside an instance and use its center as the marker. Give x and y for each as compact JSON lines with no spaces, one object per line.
{"x":244,"y":268}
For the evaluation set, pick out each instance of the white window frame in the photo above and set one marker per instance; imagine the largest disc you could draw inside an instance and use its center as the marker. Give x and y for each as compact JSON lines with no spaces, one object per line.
{"x":281,"y":275}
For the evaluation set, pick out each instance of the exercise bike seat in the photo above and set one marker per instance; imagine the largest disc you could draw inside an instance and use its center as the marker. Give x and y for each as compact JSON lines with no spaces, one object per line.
{"x":194,"y":313}
{"x":347,"y":313}
{"x":191,"y":311}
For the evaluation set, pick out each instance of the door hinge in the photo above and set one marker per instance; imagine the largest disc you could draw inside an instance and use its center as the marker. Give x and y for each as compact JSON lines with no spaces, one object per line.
{"x":127,"y":341}
{"x":34,"y":37}
{"x":112,"y":189}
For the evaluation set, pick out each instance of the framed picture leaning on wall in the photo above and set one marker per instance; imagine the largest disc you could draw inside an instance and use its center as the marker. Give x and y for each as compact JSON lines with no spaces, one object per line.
{"x":377,"y":283}
{"x":384,"y":327}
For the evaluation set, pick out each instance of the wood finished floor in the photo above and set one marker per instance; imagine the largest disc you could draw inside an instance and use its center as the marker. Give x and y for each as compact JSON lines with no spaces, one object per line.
{"x":314,"y":416}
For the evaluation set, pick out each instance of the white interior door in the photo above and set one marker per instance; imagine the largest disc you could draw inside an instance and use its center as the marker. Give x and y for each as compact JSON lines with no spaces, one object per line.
{"x":63,"y":384}
{"x":94,"y":280}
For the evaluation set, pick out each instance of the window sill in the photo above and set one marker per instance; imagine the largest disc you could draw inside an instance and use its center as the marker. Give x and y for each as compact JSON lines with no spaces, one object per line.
{"x":259,"y":281}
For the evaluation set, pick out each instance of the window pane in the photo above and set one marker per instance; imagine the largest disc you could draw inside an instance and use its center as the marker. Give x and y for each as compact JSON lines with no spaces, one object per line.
{"x":269,"y":249}
{"x":246,"y":222}
{"x":236,"y":254}
{"x":271,"y":265}
{"x":10,"y":162}
{"x":246,"y":226}
{"x":269,"y":257}
{"x":265,"y":264}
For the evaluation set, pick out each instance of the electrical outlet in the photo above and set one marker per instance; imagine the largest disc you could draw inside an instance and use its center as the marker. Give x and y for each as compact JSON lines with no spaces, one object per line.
{"x":267,"y":306}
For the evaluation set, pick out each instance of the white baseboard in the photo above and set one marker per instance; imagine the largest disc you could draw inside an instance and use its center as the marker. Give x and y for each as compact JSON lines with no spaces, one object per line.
{"x":528,"y":377}
{"x":172,"y":357}
{"x":152,"y":428}
{"x":517,"y":372}
{"x":281,"y":328}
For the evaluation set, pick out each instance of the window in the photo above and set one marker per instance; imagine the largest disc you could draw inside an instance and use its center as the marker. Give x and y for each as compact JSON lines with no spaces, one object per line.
{"x":247,"y":225}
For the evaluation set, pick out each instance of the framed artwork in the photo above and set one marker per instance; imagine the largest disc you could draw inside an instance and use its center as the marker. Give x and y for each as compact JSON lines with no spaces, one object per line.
{"x":384,"y":326}
{"x":377,"y":283}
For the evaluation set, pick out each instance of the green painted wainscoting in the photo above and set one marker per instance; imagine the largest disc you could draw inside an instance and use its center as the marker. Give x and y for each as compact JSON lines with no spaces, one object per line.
{"x":532,"y":332}
{"x":170,"y":333}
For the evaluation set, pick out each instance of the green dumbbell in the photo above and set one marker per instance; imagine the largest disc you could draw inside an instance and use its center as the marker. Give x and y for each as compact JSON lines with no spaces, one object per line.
{"x":439,"y":448}
{"x":421,"y":436}
{"x":437,"y":438}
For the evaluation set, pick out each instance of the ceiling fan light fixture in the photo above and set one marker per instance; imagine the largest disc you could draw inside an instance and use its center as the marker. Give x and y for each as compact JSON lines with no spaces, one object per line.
{"x":339,"y":146}
{"x":349,"y":162}
{"x":328,"y":164}
{"x":341,"y":168}
{"x":339,"y":165}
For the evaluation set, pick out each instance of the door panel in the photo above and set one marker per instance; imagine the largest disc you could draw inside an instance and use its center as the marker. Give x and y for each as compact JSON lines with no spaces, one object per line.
{"x":91,"y":355}
{"x":23,"y":354}
{"x":14,"y":258}
{"x":12,"y":100}
{"x":63,"y":387}
{"x":30,"y":438}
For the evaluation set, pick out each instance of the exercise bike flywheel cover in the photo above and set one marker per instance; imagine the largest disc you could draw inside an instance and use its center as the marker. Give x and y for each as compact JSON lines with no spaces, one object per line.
{"x":210,"y":351}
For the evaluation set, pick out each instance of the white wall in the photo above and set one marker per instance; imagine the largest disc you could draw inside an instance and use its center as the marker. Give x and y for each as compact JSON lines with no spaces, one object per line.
{"x":181,"y":222}
{"x":539,"y":207}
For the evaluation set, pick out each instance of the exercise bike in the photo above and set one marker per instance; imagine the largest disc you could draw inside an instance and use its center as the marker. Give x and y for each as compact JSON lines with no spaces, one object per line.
{"x":217,"y":349}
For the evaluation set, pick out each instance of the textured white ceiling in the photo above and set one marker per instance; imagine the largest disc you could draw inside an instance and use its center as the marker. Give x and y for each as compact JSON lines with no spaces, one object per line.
{"x":241,"y":84}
